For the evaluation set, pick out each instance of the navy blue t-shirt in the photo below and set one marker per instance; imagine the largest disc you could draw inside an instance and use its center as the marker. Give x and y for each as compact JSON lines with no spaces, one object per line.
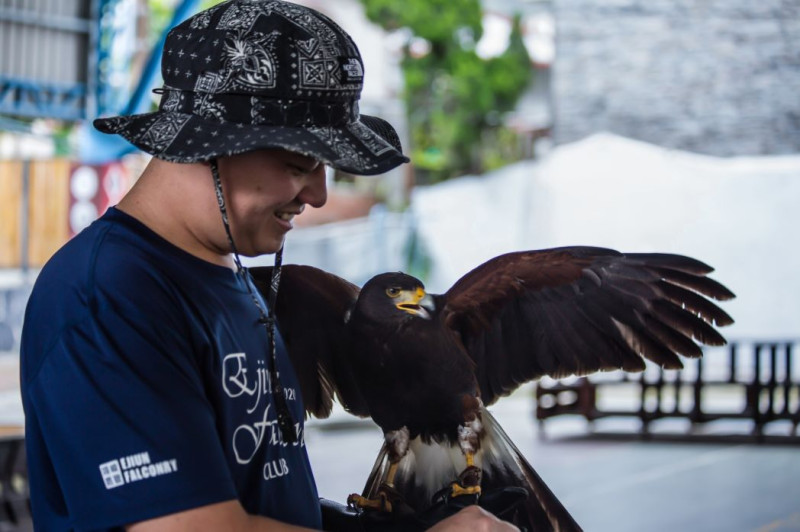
{"x":145,"y":383}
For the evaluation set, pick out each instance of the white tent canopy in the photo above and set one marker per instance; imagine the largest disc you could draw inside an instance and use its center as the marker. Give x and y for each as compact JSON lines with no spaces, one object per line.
{"x":737,"y":214}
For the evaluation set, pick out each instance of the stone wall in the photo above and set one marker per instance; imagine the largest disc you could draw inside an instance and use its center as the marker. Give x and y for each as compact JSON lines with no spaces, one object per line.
{"x":720,"y":77}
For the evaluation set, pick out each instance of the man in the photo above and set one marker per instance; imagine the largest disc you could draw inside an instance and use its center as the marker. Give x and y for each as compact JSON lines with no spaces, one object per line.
{"x":157,"y":392}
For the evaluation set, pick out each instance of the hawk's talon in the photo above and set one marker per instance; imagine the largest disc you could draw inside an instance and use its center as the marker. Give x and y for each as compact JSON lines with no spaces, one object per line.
{"x":469,"y":481}
{"x":381,"y":504}
{"x":457,"y":490}
{"x":387,"y":499}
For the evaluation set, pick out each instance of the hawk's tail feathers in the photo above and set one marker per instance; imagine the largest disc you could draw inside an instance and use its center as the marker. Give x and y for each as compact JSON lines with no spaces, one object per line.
{"x":428,"y":468}
{"x":504,"y":465}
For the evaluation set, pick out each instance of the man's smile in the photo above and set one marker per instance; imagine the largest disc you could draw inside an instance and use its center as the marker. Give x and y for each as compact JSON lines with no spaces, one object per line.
{"x":286,"y":216}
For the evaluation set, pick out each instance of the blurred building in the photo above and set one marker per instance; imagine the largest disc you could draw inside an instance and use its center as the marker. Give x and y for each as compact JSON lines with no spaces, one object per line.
{"x":719,"y":77}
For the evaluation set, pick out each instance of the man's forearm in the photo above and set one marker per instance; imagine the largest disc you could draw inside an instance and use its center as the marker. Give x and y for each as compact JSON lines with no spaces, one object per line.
{"x":228,"y":515}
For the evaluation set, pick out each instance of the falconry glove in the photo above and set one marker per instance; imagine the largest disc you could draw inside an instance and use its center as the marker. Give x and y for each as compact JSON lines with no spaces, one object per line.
{"x":337,"y":517}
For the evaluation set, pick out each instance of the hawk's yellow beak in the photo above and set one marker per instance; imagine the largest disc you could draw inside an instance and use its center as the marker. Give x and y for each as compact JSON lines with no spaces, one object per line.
{"x":415,"y":302}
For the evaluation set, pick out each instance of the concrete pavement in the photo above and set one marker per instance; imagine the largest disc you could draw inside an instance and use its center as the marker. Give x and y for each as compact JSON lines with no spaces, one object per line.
{"x":610,"y":485}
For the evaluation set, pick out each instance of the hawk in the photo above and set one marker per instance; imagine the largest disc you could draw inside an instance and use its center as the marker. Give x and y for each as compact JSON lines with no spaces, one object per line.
{"x":425,"y":367}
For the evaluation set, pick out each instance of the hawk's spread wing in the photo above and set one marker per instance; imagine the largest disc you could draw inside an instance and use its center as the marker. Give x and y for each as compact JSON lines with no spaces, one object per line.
{"x":311,"y":309}
{"x":576,"y":310}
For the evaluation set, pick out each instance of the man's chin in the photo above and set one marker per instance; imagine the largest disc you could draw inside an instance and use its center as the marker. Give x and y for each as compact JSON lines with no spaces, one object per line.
{"x":252,"y":248}
{"x":268,"y":248}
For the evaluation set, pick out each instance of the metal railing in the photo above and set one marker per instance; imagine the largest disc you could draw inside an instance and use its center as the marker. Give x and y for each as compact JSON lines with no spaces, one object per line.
{"x":754,"y":381}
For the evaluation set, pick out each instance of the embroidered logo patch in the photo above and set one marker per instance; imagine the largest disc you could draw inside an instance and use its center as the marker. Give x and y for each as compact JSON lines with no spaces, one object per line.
{"x":134,"y":468}
{"x":351,"y":67}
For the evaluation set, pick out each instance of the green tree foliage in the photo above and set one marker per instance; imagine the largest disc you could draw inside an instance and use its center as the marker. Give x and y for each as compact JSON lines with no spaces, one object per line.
{"x":455,"y":98}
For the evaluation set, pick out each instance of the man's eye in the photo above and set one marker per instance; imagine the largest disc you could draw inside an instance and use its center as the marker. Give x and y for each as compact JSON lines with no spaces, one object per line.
{"x":299,"y":170}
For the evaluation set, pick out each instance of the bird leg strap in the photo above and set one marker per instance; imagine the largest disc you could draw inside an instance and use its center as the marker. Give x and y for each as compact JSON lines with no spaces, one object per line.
{"x":469,"y":437}
{"x":469,"y":480}
{"x":388,"y":498}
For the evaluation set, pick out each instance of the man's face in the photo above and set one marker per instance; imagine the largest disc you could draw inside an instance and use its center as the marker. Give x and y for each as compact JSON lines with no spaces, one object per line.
{"x":264,"y":190}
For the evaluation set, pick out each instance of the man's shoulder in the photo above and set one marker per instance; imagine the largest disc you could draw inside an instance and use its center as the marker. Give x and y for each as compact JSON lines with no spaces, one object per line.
{"x":102,"y":260}
{"x":72,"y":271}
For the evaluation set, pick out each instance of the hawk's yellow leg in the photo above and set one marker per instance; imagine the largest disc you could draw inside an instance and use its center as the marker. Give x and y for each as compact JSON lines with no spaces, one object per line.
{"x":457,"y":489}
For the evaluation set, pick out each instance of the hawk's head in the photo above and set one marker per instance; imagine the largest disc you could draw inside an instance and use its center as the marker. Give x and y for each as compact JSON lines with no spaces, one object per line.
{"x":394,"y":295}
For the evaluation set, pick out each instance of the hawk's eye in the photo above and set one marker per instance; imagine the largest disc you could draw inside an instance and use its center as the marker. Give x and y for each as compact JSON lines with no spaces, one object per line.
{"x":393,"y":291}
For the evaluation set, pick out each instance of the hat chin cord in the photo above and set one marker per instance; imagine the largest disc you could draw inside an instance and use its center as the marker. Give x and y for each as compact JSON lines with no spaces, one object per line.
{"x":267,"y":318}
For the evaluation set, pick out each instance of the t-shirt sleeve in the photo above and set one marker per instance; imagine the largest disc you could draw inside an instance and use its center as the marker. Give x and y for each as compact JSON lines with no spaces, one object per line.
{"x":125,"y":416}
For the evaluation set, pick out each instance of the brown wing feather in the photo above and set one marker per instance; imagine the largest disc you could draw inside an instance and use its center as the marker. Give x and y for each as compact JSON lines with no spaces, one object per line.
{"x":311,"y":309}
{"x":576,"y":310}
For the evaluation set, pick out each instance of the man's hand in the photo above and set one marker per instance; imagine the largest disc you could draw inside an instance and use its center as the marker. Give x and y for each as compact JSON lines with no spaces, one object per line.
{"x":473,"y":518}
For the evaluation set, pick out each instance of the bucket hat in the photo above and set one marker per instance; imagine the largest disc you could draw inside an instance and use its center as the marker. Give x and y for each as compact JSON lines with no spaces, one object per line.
{"x":251,"y":74}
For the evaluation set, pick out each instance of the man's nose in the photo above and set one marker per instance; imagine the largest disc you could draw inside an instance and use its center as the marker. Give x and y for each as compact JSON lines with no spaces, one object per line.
{"x":315,"y":188}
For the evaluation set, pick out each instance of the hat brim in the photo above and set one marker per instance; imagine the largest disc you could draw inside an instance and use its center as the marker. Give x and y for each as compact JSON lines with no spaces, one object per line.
{"x":368,"y":146}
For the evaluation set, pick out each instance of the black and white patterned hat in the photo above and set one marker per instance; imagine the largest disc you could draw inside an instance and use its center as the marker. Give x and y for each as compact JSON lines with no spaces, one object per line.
{"x":251,"y":74}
